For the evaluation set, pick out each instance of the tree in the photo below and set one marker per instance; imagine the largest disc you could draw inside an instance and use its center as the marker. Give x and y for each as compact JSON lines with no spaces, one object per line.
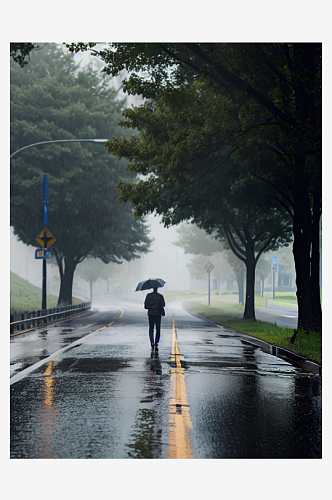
{"x":263,"y":269}
{"x":196,"y":241}
{"x":52,"y":99}
{"x":275,"y":88}
{"x":20,"y":52}
{"x":250,"y":223}
{"x":90,"y":270}
{"x":191,"y":179}
{"x":239,"y":271}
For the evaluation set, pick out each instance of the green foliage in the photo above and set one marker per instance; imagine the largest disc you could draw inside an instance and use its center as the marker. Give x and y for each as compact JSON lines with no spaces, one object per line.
{"x":141,"y":444}
{"x":258,"y":103}
{"x":26,"y":297}
{"x":52,"y":99}
{"x":196,"y":241}
{"x":286,"y":301}
{"x":291,"y":297}
{"x":196,"y":165}
{"x":201,"y":245}
{"x":20,"y":52}
{"x":264,"y":81}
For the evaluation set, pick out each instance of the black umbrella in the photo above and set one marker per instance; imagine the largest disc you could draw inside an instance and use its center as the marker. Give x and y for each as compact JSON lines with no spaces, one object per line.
{"x":150,"y":283}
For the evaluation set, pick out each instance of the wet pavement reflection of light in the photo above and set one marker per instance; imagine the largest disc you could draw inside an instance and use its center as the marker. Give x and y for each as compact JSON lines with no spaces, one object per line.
{"x":100,"y":390}
{"x":249,"y":404}
{"x":47,"y":414}
{"x":107,"y":397}
{"x":28,"y":348}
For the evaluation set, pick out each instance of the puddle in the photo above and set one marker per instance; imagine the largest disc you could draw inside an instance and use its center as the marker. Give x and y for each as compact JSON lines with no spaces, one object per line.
{"x":145,"y":439}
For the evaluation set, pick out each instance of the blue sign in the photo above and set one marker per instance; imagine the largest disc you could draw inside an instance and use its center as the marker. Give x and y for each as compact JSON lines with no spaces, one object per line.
{"x":42,"y":253}
{"x":274,"y":264}
{"x":45,"y":200}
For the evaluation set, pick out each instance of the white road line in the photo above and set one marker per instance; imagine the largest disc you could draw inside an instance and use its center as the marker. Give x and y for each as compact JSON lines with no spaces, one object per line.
{"x":55,"y":355}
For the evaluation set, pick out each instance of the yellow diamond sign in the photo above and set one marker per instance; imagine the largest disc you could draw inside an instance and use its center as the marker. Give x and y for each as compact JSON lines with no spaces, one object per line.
{"x":45,"y":239}
{"x":209,"y":267}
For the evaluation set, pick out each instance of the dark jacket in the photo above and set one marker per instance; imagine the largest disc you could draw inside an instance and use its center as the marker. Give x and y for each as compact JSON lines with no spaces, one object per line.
{"x":155,"y":304}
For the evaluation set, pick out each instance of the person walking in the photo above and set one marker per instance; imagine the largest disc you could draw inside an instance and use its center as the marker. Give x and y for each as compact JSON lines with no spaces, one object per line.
{"x":154,"y":303}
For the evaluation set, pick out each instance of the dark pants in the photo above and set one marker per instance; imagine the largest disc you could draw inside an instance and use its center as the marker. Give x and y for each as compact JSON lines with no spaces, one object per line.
{"x":154,"y":320}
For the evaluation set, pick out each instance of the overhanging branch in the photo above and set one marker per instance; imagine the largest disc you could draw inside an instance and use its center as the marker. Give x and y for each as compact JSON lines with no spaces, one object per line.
{"x":221,"y":71}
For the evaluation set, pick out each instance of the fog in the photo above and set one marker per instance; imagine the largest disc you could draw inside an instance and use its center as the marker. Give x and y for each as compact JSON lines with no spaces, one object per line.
{"x":165,"y":260}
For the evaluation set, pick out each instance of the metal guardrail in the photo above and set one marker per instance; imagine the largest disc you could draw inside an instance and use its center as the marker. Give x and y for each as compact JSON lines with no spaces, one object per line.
{"x":29,"y":320}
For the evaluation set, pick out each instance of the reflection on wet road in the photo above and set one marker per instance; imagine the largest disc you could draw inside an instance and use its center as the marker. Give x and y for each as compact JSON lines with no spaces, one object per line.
{"x":28,"y":348}
{"x":106,"y":396}
{"x":109,"y":398}
{"x":253,"y":407}
{"x":179,"y":414}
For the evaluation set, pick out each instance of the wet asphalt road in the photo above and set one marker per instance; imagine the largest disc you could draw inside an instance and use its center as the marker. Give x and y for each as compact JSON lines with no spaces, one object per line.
{"x":89,"y":388}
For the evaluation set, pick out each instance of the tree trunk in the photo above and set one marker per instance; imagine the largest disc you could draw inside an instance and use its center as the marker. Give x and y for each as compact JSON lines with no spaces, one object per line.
{"x":315,"y":262}
{"x":239,"y":275}
{"x":249,"y":309}
{"x":305,"y":227}
{"x":301,"y":251}
{"x":66,"y":285}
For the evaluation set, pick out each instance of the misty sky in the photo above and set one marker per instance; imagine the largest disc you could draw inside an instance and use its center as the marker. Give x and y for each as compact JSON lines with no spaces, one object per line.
{"x":165,"y":260}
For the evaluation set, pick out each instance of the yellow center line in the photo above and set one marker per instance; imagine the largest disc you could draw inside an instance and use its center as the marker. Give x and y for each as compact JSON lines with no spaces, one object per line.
{"x":114,"y":320}
{"x":179,"y":417}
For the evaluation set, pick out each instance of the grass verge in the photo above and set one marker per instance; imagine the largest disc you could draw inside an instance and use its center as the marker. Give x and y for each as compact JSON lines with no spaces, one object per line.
{"x":225,"y":310}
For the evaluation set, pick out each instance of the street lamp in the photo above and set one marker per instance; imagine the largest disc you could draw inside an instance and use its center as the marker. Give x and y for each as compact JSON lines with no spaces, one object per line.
{"x":58,"y":140}
{"x":44,"y":299}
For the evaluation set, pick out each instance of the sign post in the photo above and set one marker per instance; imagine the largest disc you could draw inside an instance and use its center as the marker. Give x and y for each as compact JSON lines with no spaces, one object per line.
{"x":45,"y":197}
{"x":208,"y":268}
{"x":274,"y":270}
{"x":44,"y":296}
{"x":45,"y":239}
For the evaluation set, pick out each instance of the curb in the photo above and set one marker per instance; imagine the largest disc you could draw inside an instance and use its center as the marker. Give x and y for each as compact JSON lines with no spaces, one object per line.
{"x":275,"y":350}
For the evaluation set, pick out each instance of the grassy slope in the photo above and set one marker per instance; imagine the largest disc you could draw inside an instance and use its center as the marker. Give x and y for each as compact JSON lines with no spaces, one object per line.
{"x":26,"y":297}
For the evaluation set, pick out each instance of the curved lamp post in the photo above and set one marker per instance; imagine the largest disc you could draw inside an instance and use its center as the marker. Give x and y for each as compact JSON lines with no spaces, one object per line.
{"x":44,"y":300}
{"x":58,"y":140}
